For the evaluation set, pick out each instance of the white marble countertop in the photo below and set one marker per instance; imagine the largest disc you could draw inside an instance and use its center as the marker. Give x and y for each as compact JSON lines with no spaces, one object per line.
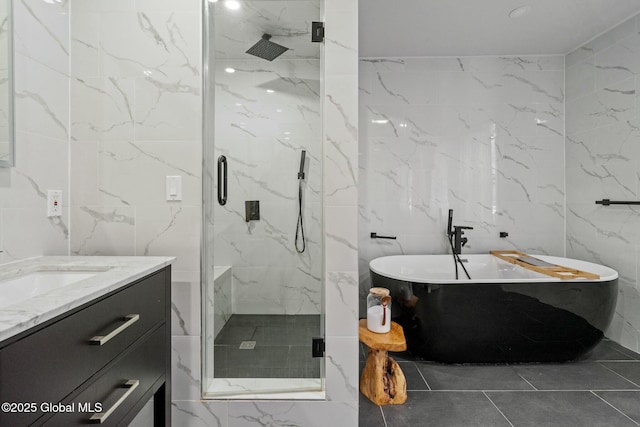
{"x":113,"y":273}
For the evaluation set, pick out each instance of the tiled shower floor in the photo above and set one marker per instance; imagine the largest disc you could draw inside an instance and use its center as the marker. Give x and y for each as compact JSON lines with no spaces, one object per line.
{"x":601,"y":390}
{"x":282,"y":347}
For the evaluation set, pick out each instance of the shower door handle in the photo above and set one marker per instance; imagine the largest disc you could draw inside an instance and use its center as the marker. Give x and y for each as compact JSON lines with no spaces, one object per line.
{"x":222,"y":180}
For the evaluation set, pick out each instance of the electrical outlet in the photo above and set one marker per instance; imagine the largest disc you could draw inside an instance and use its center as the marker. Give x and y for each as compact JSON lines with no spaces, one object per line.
{"x":54,"y":203}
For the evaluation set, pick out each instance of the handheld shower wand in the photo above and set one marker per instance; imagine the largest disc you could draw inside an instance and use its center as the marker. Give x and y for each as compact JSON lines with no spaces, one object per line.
{"x":299,"y":224}
{"x":303,"y":155}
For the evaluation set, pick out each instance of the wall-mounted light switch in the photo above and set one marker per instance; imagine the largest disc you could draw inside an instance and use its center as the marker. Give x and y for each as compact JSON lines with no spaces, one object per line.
{"x":174,"y":188}
{"x":54,"y":203}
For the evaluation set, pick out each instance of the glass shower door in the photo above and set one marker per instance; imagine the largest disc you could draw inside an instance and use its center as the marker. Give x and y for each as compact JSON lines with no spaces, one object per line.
{"x":262,"y":251}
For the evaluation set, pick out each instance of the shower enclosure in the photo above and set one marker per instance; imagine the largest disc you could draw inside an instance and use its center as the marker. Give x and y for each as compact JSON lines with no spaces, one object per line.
{"x":262,"y":246}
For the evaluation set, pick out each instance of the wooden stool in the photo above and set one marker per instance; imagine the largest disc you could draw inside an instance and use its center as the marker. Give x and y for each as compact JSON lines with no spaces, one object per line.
{"x":382,"y":380}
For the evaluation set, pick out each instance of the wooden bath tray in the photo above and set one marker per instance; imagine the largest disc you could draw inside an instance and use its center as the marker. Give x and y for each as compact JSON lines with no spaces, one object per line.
{"x":540,"y":266}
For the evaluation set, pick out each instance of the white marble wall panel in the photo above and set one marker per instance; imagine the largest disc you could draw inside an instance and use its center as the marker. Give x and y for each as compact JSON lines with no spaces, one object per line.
{"x":199,"y":414}
{"x":135,"y":106}
{"x":308,"y":414}
{"x":289,"y":22}
{"x":6,"y":97}
{"x":41,"y":33}
{"x":481,"y":135}
{"x":221,"y":308}
{"x":266,"y":114}
{"x":185,"y":368}
{"x":602,"y":152}
{"x":170,"y":230}
{"x":103,"y":230}
{"x":341,"y":130}
{"x":185,"y":303}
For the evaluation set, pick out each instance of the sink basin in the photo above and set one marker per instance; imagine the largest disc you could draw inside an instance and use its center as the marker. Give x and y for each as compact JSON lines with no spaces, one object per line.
{"x":22,"y":288}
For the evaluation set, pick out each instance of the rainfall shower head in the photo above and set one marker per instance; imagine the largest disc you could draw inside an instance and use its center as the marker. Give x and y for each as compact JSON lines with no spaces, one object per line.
{"x":266,"y":49}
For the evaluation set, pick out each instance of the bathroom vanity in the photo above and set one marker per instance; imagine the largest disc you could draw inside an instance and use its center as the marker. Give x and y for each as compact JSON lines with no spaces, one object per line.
{"x":93,"y":349}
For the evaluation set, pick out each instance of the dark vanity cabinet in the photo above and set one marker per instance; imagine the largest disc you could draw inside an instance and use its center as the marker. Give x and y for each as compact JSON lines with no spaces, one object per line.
{"x":99,"y":363}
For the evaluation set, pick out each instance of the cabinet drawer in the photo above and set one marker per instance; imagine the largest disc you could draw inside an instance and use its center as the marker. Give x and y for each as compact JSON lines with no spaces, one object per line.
{"x":140,"y":369}
{"x":47,"y":365}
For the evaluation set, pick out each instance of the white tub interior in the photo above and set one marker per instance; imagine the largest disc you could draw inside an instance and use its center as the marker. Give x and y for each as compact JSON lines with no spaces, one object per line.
{"x":483,"y":268}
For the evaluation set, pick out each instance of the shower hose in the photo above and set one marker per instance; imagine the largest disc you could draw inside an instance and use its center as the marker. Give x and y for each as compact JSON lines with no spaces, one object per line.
{"x":299,"y":224}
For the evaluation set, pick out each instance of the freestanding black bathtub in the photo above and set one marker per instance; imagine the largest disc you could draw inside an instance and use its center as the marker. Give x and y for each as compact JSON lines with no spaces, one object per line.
{"x":504,"y":314}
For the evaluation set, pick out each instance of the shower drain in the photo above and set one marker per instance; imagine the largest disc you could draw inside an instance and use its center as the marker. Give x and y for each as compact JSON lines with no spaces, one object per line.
{"x":247,"y":345}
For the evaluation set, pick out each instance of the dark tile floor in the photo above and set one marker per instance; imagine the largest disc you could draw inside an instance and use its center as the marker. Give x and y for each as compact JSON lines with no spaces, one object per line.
{"x":282,"y":347}
{"x":601,"y":390}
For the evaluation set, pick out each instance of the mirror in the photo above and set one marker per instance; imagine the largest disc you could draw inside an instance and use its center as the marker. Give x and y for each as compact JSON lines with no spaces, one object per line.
{"x":7,"y":155}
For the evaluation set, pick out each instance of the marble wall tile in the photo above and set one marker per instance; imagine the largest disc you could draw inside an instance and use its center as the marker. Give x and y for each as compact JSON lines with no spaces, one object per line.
{"x":219,"y":301}
{"x":84,"y":172}
{"x":103,"y":230}
{"x":341,"y":237}
{"x":119,"y":164}
{"x":601,"y":162}
{"x":486,"y":141}
{"x":41,"y":33}
{"x":101,"y":6}
{"x":112,"y":117}
{"x":341,"y":291}
{"x":27,"y":232}
{"x":609,"y":38}
{"x":41,"y":164}
{"x":308,"y":414}
{"x":172,"y":230}
{"x":185,"y":303}
{"x":41,"y":57}
{"x":342,"y":369}
{"x":580,"y":78}
{"x":341,"y":131}
{"x":275,"y":290}
{"x":185,"y":368}
{"x":341,"y":149}
{"x":262,"y":134}
{"x":199,"y":414}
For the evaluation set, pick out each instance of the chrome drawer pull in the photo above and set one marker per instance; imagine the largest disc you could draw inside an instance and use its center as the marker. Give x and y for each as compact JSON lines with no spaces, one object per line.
{"x":101,"y":417}
{"x":103,"y":339}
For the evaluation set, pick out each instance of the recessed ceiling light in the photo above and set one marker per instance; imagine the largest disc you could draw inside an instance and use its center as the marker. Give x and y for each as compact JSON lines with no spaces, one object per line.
{"x":230,"y":70}
{"x":270,"y":90}
{"x":232,"y":4}
{"x":519,"y":12}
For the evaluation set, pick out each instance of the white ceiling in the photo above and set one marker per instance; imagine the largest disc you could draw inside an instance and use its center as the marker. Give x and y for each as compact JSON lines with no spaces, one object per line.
{"x":483,"y":27}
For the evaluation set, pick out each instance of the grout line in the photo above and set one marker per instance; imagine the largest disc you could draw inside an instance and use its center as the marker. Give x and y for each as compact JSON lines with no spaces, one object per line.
{"x":564,"y":390}
{"x":384,"y":419}
{"x":624,"y":390}
{"x":496,"y":406}
{"x":526,"y":381}
{"x":422,"y":376}
{"x":605,"y":401}
{"x":620,"y":375}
